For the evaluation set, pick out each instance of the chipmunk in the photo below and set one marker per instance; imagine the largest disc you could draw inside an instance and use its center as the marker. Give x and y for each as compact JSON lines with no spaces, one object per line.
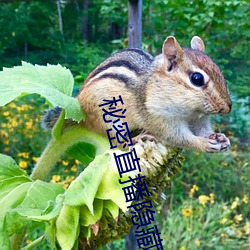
{"x":170,"y":96}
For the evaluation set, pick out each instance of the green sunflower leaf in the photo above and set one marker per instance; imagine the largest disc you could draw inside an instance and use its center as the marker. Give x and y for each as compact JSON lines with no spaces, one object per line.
{"x":53,"y":82}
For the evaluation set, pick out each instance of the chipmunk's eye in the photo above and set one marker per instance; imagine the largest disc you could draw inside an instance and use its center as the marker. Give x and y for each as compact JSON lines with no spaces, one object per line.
{"x":197,"y":79}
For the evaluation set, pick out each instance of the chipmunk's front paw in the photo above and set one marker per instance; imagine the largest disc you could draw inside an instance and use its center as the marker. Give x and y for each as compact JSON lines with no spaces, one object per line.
{"x":143,"y":137}
{"x":218,"y":142}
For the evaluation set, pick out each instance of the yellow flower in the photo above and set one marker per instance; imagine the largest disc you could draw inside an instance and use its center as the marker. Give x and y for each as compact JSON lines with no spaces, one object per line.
{"x":65,"y":185}
{"x":235,"y":203}
{"x":14,"y":123}
{"x":4,"y":134}
{"x":29,"y":124}
{"x":224,"y":164}
{"x":35,"y":159}
{"x":223,"y":220}
{"x":55,"y":178}
{"x":12,"y":105}
{"x":65,"y":163}
{"x":77,"y":162}
{"x":203,"y":199}
{"x":24,"y":154}
{"x":187,"y":211}
{"x":6,"y":141}
{"x":247,"y":227}
{"x":245,"y":199}
{"x":211,"y":195}
{"x":197,"y":242}
{"x":238,"y":159}
{"x":223,"y":235}
{"x":23,"y":164}
{"x":28,"y":241}
{"x":234,"y":152}
{"x":6,"y":113}
{"x":238,"y":218}
{"x":70,"y":178}
{"x":192,"y":190}
{"x":238,"y":233}
{"x":182,"y":248}
{"x":19,"y":108}
{"x":23,"y":107}
{"x":6,"y":149}
{"x":73,"y":168}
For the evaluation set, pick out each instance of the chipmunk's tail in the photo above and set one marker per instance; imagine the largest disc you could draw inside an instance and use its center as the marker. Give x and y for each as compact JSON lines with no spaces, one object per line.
{"x":50,"y":117}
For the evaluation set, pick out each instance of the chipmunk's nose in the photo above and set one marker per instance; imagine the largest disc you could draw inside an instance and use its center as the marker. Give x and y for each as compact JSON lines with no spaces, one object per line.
{"x":227,"y":108}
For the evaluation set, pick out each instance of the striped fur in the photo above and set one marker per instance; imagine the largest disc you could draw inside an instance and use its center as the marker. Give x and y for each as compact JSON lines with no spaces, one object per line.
{"x":134,"y":62}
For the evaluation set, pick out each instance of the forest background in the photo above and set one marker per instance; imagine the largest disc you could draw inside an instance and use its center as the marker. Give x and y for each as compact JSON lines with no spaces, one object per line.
{"x":207,"y":205}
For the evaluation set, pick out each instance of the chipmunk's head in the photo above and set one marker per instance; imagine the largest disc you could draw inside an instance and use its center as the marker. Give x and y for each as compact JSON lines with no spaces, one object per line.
{"x":197,"y":74}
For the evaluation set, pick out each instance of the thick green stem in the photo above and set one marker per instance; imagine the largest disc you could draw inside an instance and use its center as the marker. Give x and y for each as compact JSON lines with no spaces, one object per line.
{"x":57,"y":147}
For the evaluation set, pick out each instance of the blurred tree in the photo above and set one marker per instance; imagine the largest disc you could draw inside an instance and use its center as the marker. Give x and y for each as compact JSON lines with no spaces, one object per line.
{"x":86,"y":21}
{"x":58,"y":2}
{"x":134,"y":23}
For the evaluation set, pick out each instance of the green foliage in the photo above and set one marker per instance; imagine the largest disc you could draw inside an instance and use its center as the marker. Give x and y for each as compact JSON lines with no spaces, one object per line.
{"x":238,"y":122}
{"x":19,"y":198}
{"x":81,"y":58}
{"x":19,"y":127}
{"x":232,"y":166}
{"x":36,"y":29}
{"x":52,"y":82}
{"x":83,"y":152}
{"x":204,"y":223}
{"x":96,"y":181}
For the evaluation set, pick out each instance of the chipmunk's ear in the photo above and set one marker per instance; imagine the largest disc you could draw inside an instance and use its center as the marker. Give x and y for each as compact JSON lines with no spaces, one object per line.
{"x":197,"y":43}
{"x":171,"y":49}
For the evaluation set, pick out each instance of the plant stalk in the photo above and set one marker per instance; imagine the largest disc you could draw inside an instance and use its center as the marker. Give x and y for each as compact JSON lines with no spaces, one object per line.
{"x":57,"y":147}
